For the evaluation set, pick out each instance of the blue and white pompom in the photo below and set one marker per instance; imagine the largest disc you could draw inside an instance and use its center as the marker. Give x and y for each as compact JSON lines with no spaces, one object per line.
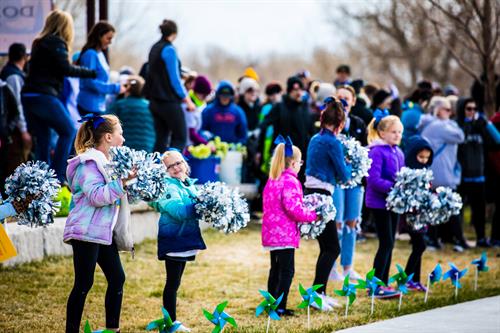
{"x":222,"y":208}
{"x":37,"y":182}
{"x":445,"y":204}
{"x":357,"y":155}
{"x":149,"y":185}
{"x":124,"y":160}
{"x":411,"y":190}
{"x":323,"y":205}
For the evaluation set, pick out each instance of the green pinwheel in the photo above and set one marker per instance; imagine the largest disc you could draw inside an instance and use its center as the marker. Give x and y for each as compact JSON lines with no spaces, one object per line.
{"x":219,"y":317}
{"x":371,"y":283}
{"x":349,"y":292}
{"x":164,"y":325}
{"x":309,"y":297}
{"x":88,"y":329}
{"x":401,"y":278}
{"x":268,"y":305}
{"x":480,"y":264}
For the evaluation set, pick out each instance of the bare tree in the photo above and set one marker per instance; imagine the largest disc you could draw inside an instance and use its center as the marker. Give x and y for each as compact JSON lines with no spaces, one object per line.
{"x":476,"y":23}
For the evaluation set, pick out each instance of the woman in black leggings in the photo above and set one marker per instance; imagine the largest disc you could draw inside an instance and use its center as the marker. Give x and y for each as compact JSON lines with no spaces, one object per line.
{"x":325,"y":167}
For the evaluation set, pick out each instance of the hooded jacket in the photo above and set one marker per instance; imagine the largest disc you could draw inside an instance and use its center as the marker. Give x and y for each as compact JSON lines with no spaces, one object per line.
{"x":386,"y":162}
{"x":101,"y":210}
{"x":415,"y":145}
{"x":226,"y":121}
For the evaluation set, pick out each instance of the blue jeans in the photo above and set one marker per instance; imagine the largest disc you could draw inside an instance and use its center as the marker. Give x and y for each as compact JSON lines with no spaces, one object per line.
{"x":43,"y":113}
{"x":348,"y":203}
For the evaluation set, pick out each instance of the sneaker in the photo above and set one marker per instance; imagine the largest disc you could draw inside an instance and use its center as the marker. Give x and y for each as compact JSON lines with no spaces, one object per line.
{"x":416,"y":286}
{"x":336,"y":276}
{"x":353,"y":275}
{"x":458,"y":248}
{"x":483,"y":242}
{"x":181,"y":328}
{"x":285,"y":313}
{"x":324,"y":305}
{"x":495,"y":243}
{"x":360,"y":238}
{"x":330,"y":301}
{"x":386,"y":293}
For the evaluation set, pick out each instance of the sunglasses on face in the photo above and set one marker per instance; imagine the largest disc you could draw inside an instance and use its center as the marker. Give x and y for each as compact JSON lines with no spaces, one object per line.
{"x":175,"y":164}
{"x":470,"y":108}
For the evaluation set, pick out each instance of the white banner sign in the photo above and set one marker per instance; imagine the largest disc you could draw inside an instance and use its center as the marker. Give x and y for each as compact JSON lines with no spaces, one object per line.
{"x":21,"y":21}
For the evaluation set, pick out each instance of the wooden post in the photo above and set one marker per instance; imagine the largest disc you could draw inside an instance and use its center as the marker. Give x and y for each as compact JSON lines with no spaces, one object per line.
{"x":90,"y":14}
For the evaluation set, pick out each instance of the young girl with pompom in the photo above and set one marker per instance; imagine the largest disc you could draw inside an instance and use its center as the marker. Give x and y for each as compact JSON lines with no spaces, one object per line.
{"x":283,"y":208}
{"x":97,"y":226}
{"x":179,"y":234}
{"x":384,"y":136}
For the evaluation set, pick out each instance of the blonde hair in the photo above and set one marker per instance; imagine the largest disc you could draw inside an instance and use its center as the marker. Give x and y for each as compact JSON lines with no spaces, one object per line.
{"x":279,"y":162}
{"x":172,"y":153}
{"x":89,"y":137}
{"x":383,"y":125}
{"x":59,"y":23}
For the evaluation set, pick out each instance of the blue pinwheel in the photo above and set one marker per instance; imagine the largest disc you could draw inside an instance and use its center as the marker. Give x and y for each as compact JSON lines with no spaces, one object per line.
{"x":401,"y":278}
{"x":88,"y":329}
{"x":349,"y":291}
{"x":480,"y":264}
{"x":432,"y":278}
{"x":454,"y":274}
{"x":309,"y":297}
{"x":219,"y":318}
{"x":269,"y":305}
{"x":371,"y":283}
{"x":165,"y":324}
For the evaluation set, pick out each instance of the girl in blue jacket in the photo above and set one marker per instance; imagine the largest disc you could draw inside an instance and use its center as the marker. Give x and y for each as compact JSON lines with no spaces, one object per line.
{"x":179,"y":235}
{"x":92,"y":96}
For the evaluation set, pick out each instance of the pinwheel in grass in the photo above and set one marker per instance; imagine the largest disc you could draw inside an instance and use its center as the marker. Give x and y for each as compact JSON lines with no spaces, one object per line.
{"x":219,"y":318}
{"x":348,"y":291}
{"x":480,"y":264}
{"x":309,"y":297}
{"x":269,"y":305}
{"x":88,"y":329}
{"x":371,"y":283}
{"x":401,"y":278}
{"x":432,"y":278}
{"x":454,"y":274}
{"x":163,"y":325}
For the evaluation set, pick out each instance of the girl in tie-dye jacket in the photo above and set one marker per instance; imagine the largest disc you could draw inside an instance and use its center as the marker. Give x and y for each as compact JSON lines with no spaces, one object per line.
{"x":97,"y":226}
{"x":283,"y":209}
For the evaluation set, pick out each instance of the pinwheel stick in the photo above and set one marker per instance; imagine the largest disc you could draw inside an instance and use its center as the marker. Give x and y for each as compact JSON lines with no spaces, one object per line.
{"x":456,"y":285}
{"x":400,"y":301}
{"x":268,"y":324}
{"x":308,"y":318}
{"x":346,"y":306}
{"x":373,"y":302}
{"x":475,"y":278}
{"x":428,"y":287}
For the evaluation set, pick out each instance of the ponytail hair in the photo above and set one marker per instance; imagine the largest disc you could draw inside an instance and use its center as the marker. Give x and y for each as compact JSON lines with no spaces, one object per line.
{"x":93,"y":130}
{"x":279,"y":162}
{"x":333,"y":113}
{"x":375,"y":126}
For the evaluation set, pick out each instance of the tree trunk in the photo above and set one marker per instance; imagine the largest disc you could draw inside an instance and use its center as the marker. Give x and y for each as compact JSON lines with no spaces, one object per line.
{"x":488,"y":62}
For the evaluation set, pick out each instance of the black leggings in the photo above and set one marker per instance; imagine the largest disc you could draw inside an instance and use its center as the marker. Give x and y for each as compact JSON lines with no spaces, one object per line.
{"x":170,"y":125}
{"x":281,"y":274}
{"x":386,"y":223}
{"x":329,"y":249}
{"x":474,"y":194}
{"x":175,"y":269}
{"x":85,"y":257}
{"x":414,"y":263}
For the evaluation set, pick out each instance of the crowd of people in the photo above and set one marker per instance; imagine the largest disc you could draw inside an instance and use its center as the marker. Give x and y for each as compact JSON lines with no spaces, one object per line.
{"x":47,"y":97}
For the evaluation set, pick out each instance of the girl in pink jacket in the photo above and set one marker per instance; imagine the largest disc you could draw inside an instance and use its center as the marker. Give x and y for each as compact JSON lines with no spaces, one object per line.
{"x":283,"y":209}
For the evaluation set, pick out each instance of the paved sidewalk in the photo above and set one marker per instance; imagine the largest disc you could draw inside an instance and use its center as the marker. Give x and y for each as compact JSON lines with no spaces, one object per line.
{"x":480,"y":316}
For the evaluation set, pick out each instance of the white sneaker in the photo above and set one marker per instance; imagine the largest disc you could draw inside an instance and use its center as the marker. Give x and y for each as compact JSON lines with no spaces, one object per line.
{"x":335,"y":275}
{"x":332,"y":302}
{"x":324,"y":304}
{"x":181,"y":328}
{"x":353,"y":275}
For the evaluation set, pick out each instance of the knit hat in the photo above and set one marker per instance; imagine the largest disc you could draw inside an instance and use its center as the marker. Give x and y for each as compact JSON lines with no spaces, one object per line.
{"x":379,"y":97}
{"x":202,"y":85}
{"x":273,"y":87}
{"x":251,"y":73}
{"x":324,"y":90}
{"x":247,"y":84}
{"x":292,"y":80}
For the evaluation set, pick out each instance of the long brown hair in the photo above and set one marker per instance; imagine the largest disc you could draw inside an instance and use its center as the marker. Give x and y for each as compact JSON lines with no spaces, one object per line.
{"x":333,"y":114}
{"x":89,"y":136}
{"x":94,"y":37}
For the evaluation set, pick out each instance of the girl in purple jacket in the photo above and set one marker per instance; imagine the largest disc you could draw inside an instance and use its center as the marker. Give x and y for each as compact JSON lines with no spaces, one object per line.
{"x":384,"y":136}
{"x":283,"y":209}
{"x":97,"y":226}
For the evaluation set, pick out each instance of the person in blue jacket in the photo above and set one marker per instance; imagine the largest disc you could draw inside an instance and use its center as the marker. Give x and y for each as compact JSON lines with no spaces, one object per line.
{"x":179,"y":235}
{"x":92,"y":96}
{"x":223,"y":118}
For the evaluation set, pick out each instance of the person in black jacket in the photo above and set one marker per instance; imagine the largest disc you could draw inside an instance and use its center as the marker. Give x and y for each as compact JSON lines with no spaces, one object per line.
{"x":290,"y":117}
{"x":48,"y":66}
{"x":165,"y":91}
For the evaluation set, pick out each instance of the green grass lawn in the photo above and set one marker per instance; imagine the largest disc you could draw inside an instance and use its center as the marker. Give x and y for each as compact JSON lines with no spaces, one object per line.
{"x":233,"y":268}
